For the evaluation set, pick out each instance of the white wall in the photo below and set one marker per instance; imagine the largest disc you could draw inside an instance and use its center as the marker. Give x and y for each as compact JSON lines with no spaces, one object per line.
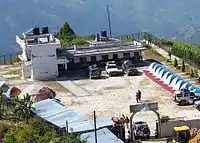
{"x":44,"y":61}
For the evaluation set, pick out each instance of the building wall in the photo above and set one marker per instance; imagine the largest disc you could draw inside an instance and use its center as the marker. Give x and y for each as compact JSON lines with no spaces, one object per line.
{"x":44,"y":61}
{"x":110,"y":57}
{"x":167,"y":128}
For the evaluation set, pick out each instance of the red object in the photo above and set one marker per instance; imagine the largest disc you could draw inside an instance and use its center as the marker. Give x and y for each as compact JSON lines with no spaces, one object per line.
{"x":150,"y":75}
{"x":14,"y":91}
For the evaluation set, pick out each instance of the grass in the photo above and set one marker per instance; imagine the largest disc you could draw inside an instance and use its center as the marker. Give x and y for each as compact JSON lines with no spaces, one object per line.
{"x":150,"y":55}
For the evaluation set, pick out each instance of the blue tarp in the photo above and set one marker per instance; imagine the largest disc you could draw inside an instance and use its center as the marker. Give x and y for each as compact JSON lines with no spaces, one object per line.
{"x":103,"y":136}
{"x":89,"y":125}
{"x":55,"y":113}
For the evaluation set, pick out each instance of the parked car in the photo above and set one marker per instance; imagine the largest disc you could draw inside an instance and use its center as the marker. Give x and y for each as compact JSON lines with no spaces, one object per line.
{"x":112,"y":69}
{"x":128,"y":68}
{"x":141,"y":130}
{"x":184,"y":97}
{"x":197,"y":105}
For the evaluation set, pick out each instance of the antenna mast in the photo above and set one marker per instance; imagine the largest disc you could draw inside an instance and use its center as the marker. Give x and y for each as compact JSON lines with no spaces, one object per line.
{"x":109,"y":25}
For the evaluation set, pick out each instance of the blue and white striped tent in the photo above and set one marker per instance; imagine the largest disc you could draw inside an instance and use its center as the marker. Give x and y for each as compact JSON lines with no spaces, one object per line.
{"x":169,"y":78}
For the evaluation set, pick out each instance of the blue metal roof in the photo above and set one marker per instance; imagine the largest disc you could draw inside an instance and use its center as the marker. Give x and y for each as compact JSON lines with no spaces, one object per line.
{"x":55,"y":113}
{"x":103,"y":136}
{"x":89,"y":125}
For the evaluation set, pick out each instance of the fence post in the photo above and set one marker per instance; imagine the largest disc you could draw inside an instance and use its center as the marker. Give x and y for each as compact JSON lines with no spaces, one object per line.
{"x":11,"y":62}
{"x":4,"y":59}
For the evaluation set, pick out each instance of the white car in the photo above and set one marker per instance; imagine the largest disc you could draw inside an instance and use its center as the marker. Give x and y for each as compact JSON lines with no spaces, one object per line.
{"x":111,"y":69}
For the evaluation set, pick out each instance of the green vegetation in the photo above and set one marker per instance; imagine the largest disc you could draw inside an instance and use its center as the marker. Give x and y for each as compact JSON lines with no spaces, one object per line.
{"x":148,"y":37}
{"x":186,"y":51}
{"x":24,"y":127}
{"x":36,"y":130}
{"x":68,"y":37}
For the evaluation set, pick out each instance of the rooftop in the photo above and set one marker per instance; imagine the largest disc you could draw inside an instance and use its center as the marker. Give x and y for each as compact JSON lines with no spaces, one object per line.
{"x":35,"y":36}
{"x":102,"y":49}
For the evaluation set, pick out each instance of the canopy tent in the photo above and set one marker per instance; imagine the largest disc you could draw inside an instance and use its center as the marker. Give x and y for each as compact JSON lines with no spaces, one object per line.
{"x":179,"y":84}
{"x":161,"y":73}
{"x":194,"y":90}
{"x":157,"y":71}
{"x":192,"y":87}
{"x":154,"y":68}
{"x":4,"y":86}
{"x":197,"y":91}
{"x":12,"y":92}
{"x":37,"y":93}
{"x":169,"y":79}
{"x":164,"y":77}
{"x":44,"y":93}
{"x":174,"y":81}
{"x":186,"y":85}
{"x":151,"y":66}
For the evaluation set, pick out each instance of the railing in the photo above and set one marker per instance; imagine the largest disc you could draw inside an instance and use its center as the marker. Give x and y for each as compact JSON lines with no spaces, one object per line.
{"x":9,"y":59}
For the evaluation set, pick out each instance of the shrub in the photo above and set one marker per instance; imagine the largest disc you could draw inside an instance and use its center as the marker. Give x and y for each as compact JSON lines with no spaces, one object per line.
{"x":198,"y":80}
{"x":169,"y":54}
{"x":183,"y":66}
{"x":175,"y":62}
{"x":196,"y":75}
{"x":191,"y":72}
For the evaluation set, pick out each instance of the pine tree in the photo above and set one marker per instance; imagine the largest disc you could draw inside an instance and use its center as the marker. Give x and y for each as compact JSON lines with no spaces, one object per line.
{"x":183,"y":66}
{"x":175,"y":62}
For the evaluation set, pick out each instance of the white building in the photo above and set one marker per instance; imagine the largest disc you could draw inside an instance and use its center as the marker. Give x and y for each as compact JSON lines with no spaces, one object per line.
{"x":39,"y":58}
{"x":42,"y":57}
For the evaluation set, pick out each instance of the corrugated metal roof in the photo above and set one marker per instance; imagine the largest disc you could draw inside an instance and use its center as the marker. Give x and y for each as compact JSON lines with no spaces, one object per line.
{"x":55,"y":113}
{"x":103,"y":136}
{"x":89,"y":125}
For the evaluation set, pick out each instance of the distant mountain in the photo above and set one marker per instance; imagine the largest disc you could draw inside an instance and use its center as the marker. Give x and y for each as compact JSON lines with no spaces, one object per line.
{"x":163,"y":18}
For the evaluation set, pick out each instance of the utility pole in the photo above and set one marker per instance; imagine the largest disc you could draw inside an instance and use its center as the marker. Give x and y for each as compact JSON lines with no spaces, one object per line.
{"x":95,"y":127}
{"x":109,"y":25}
{"x":67,"y":127}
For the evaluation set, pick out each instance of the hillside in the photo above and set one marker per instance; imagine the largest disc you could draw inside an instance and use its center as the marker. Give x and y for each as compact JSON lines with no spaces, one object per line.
{"x":164,"y":18}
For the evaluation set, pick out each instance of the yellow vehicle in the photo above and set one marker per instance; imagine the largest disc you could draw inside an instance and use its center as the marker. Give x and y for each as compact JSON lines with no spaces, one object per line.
{"x":182,"y":135}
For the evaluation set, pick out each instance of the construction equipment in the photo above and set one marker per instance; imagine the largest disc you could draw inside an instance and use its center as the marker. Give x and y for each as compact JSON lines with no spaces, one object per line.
{"x":184,"y":134}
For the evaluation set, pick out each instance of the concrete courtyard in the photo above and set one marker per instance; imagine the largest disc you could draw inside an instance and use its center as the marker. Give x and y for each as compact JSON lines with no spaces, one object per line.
{"x":109,"y":96}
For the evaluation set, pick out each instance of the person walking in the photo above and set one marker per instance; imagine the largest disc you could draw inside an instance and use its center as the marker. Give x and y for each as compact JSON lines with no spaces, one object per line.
{"x":139,"y":95}
{"x":127,"y":137}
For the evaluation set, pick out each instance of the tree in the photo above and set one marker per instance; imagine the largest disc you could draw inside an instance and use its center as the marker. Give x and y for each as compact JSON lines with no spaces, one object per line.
{"x":148,"y":37}
{"x":175,"y":62}
{"x":36,"y":130}
{"x":169,"y":54}
{"x":191,"y":72}
{"x":183,"y":66}
{"x":23,"y":107}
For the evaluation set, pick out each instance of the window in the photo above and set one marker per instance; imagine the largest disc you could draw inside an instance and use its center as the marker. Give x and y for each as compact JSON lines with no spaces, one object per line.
{"x":105,"y":58}
{"x":93,"y":58}
{"x":126,"y":55}
{"x":115,"y":56}
{"x":82,"y":59}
